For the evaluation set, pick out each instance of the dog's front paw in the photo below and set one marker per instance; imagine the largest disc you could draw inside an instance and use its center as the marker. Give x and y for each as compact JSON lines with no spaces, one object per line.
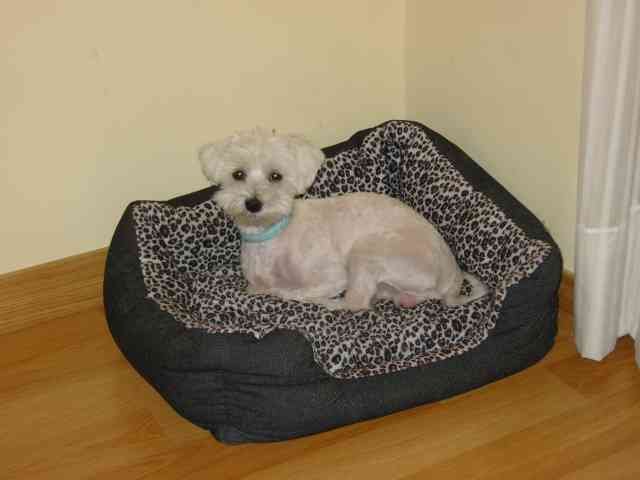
{"x":333,"y":304}
{"x":356,"y":307}
{"x":253,"y":290}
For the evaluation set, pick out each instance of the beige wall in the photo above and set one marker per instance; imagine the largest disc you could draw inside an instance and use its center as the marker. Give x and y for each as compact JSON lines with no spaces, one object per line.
{"x":104,"y":102}
{"x":502,"y":79}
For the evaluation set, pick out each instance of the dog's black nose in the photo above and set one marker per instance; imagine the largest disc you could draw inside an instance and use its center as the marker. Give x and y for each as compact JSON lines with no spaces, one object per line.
{"x":253,"y":205}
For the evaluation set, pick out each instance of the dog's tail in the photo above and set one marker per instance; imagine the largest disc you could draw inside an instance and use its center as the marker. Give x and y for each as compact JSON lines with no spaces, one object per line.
{"x":478,"y":290}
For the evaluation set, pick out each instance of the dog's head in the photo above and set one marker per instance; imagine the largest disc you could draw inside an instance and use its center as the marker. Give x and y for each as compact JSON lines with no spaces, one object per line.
{"x":260,"y":173}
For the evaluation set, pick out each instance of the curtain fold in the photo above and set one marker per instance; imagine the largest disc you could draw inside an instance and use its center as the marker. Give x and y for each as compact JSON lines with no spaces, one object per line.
{"x":607,"y":276}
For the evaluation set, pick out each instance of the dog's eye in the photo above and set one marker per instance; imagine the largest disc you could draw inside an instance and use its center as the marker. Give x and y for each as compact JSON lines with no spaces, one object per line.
{"x":239,"y":175}
{"x":275,"y":176}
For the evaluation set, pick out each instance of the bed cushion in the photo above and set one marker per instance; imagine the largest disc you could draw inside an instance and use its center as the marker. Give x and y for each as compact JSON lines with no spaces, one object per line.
{"x":231,"y":362}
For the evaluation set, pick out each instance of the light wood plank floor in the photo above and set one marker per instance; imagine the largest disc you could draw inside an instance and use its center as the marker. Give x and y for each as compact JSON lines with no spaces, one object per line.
{"x":72,"y":408}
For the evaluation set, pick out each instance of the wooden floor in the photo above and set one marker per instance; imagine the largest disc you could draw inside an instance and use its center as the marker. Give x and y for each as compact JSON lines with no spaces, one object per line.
{"x":72,"y":408}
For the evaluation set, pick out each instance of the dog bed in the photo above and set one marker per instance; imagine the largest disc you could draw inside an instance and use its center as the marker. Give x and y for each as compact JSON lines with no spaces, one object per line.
{"x":254,"y":368}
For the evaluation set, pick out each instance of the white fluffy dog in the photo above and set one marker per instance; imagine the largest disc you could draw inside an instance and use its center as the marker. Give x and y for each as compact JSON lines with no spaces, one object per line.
{"x":369,"y":245}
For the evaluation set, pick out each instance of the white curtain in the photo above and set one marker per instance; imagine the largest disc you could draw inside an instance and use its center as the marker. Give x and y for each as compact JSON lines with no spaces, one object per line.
{"x":607,"y":270}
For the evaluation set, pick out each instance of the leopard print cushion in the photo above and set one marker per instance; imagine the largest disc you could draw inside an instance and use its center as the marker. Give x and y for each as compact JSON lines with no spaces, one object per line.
{"x":191,"y":268}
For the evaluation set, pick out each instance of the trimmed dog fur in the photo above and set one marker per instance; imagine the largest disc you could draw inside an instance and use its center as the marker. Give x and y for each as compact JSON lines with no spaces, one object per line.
{"x":368,"y":245}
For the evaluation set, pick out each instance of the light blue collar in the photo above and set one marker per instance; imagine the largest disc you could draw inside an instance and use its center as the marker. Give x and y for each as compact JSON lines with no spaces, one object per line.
{"x":266,"y":234}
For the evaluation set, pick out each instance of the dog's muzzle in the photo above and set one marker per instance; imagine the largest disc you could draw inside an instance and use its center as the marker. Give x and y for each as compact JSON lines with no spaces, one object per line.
{"x":253,"y":205}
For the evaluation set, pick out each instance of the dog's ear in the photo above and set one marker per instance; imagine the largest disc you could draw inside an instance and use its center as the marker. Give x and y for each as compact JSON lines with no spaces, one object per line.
{"x":211,"y":157}
{"x":309,"y":159}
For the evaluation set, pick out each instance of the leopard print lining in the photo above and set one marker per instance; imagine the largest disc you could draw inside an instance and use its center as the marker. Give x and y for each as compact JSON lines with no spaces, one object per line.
{"x":191,"y":268}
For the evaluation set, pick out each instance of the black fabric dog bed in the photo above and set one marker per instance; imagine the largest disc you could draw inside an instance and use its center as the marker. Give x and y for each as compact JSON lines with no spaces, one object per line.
{"x":258,"y":368}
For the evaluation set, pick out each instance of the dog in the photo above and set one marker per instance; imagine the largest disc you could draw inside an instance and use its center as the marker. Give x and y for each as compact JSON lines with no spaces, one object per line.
{"x":343,"y":252}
